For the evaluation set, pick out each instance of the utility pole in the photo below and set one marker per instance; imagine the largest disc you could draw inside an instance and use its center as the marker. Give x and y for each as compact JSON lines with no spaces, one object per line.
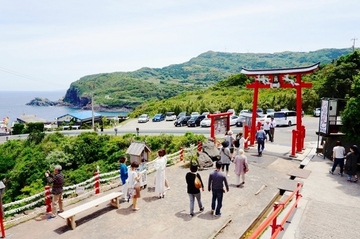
{"x":353,"y":46}
{"x":92,"y":107}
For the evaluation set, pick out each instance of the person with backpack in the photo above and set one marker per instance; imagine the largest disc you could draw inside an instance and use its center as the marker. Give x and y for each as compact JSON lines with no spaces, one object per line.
{"x":239,"y":142}
{"x":261,"y":138}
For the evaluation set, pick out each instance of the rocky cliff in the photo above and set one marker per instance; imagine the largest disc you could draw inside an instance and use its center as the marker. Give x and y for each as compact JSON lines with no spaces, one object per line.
{"x":42,"y":102}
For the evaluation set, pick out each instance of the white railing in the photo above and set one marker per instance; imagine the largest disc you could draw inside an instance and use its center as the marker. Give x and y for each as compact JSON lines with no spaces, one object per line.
{"x":27,"y":208}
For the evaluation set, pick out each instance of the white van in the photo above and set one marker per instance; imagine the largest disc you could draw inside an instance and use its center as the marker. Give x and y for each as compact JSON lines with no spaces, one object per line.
{"x":285,"y":118}
{"x":170,"y":116}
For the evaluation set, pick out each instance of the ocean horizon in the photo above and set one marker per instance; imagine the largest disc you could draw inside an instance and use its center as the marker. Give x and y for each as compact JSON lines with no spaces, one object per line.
{"x":13,"y":105}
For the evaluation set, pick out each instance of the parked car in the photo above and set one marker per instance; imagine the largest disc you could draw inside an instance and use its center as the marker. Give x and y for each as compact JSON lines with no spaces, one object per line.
{"x":244,"y":112}
{"x":316,"y":112}
{"x":181,"y":114}
{"x":205,"y":122}
{"x":205,"y":113}
{"x":240,"y":121}
{"x":194,"y":113}
{"x":195,"y":120}
{"x":158,"y":118}
{"x":232,"y":111}
{"x":182,"y":121}
{"x":233,"y":120}
{"x":170,"y":116}
{"x":262,"y":118}
{"x":143,"y":118}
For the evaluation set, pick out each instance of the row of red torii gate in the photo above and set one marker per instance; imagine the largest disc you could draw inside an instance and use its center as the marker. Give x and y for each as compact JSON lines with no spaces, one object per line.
{"x":268,"y":79}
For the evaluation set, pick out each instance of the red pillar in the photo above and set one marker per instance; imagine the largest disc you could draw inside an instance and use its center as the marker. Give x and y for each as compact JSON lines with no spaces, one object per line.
{"x":293,"y":143}
{"x":246,"y":134}
{"x":97,"y":183}
{"x":299,"y":113}
{"x":303,"y":130}
{"x":2,"y":219}
{"x":253,"y":117}
{"x":48,"y":199}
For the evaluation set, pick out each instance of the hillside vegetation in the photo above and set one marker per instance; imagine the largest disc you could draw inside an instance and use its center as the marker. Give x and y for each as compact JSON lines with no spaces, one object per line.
{"x":127,"y":90}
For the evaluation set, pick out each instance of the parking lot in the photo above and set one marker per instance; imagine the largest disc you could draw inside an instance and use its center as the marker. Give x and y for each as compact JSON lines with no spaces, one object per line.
{"x":282,"y":134}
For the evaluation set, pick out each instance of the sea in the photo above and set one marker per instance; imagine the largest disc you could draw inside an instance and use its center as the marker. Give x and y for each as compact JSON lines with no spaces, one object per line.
{"x":13,"y":105}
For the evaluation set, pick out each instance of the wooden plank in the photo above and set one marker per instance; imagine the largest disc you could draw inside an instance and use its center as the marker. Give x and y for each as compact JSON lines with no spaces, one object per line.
{"x":298,"y":172}
{"x":106,"y":198}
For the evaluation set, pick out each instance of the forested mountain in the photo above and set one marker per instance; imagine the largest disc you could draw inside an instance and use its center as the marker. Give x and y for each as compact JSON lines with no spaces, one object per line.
{"x":127,"y":90}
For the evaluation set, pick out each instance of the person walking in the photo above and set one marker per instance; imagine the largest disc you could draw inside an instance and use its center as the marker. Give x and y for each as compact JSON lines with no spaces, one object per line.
{"x":230,"y":139}
{"x":241,"y":167}
{"x":225,"y":157}
{"x":192,"y":191}
{"x":134,"y":184}
{"x":351,"y":164}
{"x":338,"y":158}
{"x":160,"y":165}
{"x":123,"y":170}
{"x":239,"y":142}
{"x":57,"y":181}
{"x":267,"y":129}
{"x":260,"y":138}
{"x":216,"y":182}
{"x":272,"y":128}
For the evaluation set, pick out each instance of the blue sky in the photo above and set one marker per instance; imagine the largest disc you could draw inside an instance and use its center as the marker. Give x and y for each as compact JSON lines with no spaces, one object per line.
{"x":46,"y":45}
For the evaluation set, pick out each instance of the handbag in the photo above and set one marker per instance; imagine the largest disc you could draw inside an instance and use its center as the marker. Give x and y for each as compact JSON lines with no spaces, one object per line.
{"x":197,"y":182}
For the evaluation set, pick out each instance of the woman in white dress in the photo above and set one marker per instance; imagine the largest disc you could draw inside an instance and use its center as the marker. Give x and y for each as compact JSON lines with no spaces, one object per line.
{"x":160,"y":165}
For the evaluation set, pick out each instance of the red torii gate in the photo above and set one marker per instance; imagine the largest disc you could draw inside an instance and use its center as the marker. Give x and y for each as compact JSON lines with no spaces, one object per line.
{"x":279,"y":78}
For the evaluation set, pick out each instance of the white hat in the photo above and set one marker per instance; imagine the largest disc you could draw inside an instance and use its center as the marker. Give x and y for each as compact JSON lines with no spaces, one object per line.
{"x":230,"y":132}
{"x":58,"y":167}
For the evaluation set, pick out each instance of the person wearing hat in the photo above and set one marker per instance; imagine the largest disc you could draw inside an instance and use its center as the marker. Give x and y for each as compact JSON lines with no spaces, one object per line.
{"x":57,"y":181}
{"x":351,"y":164}
{"x":225,"y":157}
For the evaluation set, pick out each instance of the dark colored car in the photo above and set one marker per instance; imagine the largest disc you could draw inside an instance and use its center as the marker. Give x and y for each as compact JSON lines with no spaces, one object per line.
{"x":195,"y":120}
{"x":181,"y":114}
{"x":181,"y":121}
{"x":158,"y":118}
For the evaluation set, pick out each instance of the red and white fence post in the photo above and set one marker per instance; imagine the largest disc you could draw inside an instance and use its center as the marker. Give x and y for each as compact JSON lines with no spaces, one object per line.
{"x":97,"y":183}
{"x":48,"y":199}
{"x":181,"y":153}
{"x":199,"y":148}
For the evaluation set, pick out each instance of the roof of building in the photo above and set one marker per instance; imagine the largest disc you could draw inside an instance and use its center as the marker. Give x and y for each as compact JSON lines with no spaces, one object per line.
{"x":304,"y":69}
{"x":136,"y":148}
{"x":31,"y":119}
{"x":82,"y":115}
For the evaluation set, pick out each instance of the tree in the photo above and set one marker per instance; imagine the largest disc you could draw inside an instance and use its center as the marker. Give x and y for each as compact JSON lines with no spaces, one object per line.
{"x":351,"y":114}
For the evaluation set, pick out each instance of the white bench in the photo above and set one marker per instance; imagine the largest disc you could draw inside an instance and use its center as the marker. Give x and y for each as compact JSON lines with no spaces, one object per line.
{"x":70,"y":214}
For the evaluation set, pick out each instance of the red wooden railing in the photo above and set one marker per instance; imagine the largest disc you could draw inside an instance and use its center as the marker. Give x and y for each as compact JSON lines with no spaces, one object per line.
{"x":272,"y":219}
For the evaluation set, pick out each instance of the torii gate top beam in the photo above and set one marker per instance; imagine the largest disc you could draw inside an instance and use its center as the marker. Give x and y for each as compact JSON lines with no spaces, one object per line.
{"x":283,"y":71}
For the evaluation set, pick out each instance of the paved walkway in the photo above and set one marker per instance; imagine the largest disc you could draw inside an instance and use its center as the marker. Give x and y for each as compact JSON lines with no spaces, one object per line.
{"x":328,"y":201}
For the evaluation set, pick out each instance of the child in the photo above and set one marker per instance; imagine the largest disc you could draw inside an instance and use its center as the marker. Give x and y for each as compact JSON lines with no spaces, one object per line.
{"x":123,"y":177}
{"x":134,"y":183}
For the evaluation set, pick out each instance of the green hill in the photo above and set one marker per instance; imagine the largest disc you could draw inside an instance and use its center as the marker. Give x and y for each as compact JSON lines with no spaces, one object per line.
{"x":127,"y":90}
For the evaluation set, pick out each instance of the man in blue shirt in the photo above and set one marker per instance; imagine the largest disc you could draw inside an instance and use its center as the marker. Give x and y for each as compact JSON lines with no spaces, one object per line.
{"x":123,"y":176}
{"x":260,"y":138}
{"x":216,"y":182}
